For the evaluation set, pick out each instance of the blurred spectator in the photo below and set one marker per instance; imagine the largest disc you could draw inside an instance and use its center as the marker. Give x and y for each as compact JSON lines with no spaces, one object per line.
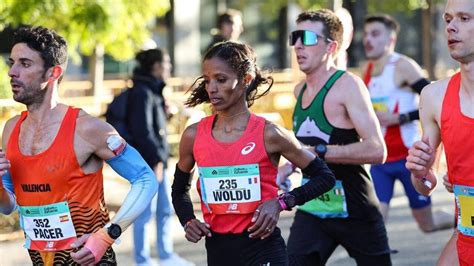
{"x":229,"y":27}
{"x":348,"y":32}
{"x":147,"y":123}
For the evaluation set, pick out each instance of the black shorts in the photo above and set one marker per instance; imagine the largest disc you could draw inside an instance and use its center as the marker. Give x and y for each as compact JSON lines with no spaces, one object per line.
{"x":239,"y":249}
{"x":312,"y":240}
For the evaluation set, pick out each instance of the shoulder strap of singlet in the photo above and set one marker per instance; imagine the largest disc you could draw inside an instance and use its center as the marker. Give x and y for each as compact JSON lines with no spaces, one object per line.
{"x":12,"y":144}
{"x":334,"y":77}
{"x":450,"y":100}
{"x":368,"y":73}
{"x":316,"y":108}
{"x":65,"y":135}
{"x":68,"y":126}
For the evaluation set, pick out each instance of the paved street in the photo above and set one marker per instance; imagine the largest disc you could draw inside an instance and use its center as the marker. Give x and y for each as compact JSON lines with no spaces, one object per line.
{"x":415,"y":248}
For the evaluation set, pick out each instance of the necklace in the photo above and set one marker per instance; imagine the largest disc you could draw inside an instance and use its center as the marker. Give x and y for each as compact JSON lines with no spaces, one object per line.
{"x":234,"y":115}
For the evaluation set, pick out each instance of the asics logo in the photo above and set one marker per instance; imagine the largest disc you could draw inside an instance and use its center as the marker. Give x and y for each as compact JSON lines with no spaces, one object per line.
{"x":248,"y":148}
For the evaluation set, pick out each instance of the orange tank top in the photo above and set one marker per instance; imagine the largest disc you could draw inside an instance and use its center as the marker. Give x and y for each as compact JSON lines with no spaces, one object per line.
{"x":456,"y":135}
{"x":234,"y":178}
{"x":55,"y":176}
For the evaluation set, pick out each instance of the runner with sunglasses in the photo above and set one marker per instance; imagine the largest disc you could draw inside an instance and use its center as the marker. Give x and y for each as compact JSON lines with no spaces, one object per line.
{"x":334,"y":118}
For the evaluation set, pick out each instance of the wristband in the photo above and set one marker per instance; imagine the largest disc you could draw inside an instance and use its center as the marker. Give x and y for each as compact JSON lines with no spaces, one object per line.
{"x":403,"y":119}
{"x":98,"y":243}
{"x":282,"y":203}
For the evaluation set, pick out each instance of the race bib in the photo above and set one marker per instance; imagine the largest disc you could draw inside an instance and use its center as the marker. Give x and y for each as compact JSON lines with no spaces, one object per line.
{"x":380,"y":104}
{"x":48,"y":227}
{"x":465,"y":203}
{"x":331,"y":204}
{"x":231,"y":189}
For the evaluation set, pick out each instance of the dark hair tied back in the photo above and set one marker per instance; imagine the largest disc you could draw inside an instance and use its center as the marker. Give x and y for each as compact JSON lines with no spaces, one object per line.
{"x":146,"y":59}
{"x":241,"y":58}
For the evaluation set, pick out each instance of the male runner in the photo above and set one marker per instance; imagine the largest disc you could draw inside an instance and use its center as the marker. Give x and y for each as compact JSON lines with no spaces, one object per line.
{"x":394,"y":82}
{"x":447,"y":115}
{"x":55,"y":156}
{"x":333,"y":116}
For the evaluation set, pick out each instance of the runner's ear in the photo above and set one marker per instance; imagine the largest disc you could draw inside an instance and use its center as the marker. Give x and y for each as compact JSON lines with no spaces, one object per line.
{"x":55,"y":73}
{"x":332,"y":47}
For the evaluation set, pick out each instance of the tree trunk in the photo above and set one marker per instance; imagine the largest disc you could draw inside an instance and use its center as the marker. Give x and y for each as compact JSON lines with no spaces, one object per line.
{"x":427,"y":37}
{"x":96,"y":66}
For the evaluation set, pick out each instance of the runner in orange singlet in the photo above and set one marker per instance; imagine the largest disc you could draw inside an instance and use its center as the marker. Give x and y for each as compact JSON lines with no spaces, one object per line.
{"x":52,"y":166}
{"x":447,"y":115}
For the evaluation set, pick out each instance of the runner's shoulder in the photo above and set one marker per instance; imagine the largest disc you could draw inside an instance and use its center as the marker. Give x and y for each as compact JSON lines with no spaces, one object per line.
{"x":436,"y":90}
{"x":350,"y":84}
{"x":8,"y":128}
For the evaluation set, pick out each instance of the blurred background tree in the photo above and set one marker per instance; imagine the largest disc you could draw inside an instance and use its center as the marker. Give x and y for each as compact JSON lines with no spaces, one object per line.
{"x":119,"y":25}
{"x":5,"y":91}
{"x":93,"y":28}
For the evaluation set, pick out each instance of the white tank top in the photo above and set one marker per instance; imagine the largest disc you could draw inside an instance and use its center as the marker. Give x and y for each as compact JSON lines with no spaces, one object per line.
{"x":386,"y":96}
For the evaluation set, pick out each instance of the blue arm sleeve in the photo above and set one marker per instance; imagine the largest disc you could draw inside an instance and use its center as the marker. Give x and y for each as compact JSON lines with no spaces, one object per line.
{"x":8,"y":203}
{"x":130,"y":165}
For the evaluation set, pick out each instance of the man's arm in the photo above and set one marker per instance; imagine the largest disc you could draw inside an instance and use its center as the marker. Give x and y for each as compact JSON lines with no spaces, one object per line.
{"x":107,"y":145}
{"x":422,"y":154}
{"x":407,"y":74}
{"x":371,"y":149}
{"x":7,"y":195}
{"x":101,"y":140}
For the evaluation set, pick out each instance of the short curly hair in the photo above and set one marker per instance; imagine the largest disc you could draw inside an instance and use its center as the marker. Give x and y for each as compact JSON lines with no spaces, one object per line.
{"x":50,"y":45}
{"x":332,"y":24}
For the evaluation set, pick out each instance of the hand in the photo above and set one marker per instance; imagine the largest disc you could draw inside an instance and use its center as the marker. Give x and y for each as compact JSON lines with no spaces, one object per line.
{"x":94,"y":247}
{"x":4,"y":165}
{"x":83,"y":256}
{"x":196,"y":229}
{"x":265,"y":219}
{"x":447,"y":184}
{"x":158,"y":169}
{"x":387,"y":119}
{"x":420,"y":158}
{"x":284,"y":172}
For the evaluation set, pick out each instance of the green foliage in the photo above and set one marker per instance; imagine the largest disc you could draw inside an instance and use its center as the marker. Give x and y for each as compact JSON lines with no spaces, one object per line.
{"x":390,"y":6}
{"x":272,"y":7}
{"x":312,"y":4}
{"x":373,"y":6}
{"x":121,"y":26}
{"x":5,"y":89}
